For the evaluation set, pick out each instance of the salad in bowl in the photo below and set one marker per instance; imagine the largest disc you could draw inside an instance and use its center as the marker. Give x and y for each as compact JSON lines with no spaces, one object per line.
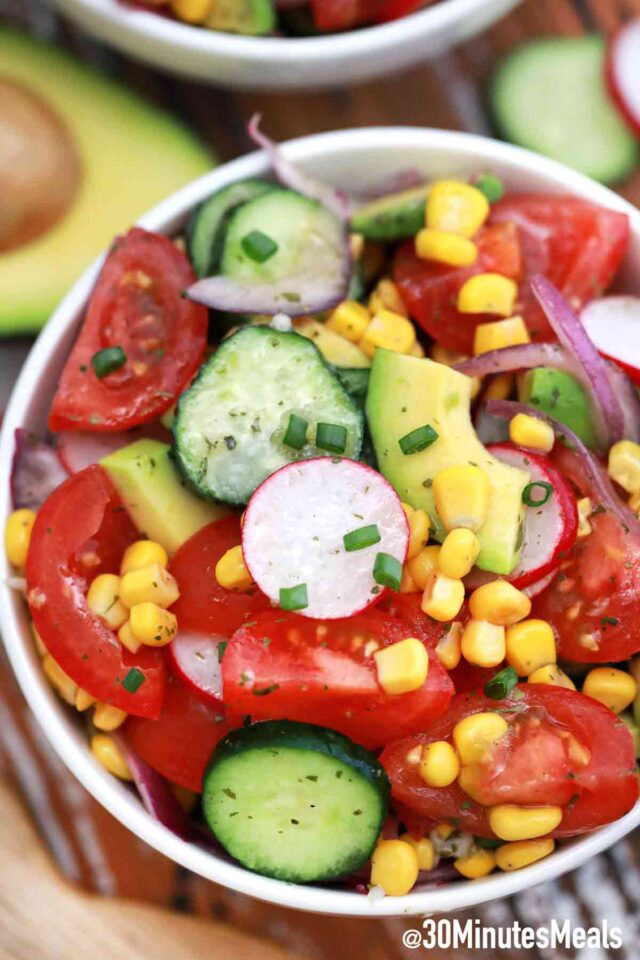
{"x":330,"y":541}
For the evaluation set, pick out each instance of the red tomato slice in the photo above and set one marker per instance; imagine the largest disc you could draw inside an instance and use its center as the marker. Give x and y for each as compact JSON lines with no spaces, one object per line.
{"x":394,"y":9}
{"x":82,"y":530}
{"x":204,"y":606}
{"x":137,"y":304}
{"x":322,"y":672}
{"x":563,"y":748}
{"x":342,"y":14}
{"x":179,"y":744}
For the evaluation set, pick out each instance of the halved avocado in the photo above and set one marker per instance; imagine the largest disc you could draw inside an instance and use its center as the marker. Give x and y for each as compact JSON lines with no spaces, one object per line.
{"x":81,"y":158}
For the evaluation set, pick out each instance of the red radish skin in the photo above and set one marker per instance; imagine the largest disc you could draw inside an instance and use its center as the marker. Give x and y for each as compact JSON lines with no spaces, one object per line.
{"x":613,"y":324}
{"x":623,"y":71}
{"x":195,"y":659}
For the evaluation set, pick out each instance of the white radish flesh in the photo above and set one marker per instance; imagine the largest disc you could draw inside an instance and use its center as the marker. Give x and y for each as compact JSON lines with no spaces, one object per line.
{"x":195,"y":659}
{"x":623,"y":70}
{"x":613,"y":324}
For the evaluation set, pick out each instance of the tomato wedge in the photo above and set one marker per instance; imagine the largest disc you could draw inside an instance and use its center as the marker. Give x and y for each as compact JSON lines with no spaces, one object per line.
{"x":563,"y":748}
{"x":284,"y":665}
{"x":394,"y":9}
{"x":137,"y":305}
{"x":204,"y":606}
{"x":332,"y":15}
{"x":82,"y":530}
{"x":179,"y":744}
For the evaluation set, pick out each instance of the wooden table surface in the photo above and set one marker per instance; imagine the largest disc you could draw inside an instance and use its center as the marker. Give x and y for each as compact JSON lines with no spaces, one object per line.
{"x":91,"y":849}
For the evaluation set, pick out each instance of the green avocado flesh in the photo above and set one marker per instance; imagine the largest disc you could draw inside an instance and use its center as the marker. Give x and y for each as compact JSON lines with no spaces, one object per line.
{"x":393,"y":217}
{"x":253,"y":17}
{"x":561,"y":396}
{"x":406,"y":393}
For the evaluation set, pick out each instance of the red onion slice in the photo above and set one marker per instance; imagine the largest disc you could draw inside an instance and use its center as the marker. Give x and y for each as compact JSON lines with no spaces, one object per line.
{"x":36,"y":471}
{"x":156,"y":794}
{"x":295,"y":296}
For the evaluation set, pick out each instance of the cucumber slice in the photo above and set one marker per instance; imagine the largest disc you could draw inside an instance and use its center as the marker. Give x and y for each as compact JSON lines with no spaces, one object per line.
{"x":253,"y":17}
{"x":207,"y":224}
{"x":394,"y":217}
{"x":550,"y":96}
{"x":231,"y":422}
{"x":295,"y":801}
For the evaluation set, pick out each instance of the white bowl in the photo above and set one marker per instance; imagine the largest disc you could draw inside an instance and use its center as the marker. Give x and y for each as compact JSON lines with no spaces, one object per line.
{"x":351,"y":159}
{"x":284,"y":64}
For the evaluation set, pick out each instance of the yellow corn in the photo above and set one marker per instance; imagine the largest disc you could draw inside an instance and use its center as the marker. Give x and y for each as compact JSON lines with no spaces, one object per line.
{"x":110,"y":756}
{"x":500,"y":334}
{"x":17,"y":535}
{"x":127,"y":639}
{"x":500,"y":388}
{"x":143,"y":553}
{"x":511,"y":822}
{"x":403,"y":666}
{"x":488,"y":293}
{"x":108,"y":718}
{"x":456,"y":207}
{"x":394,"y":867}
{"x":103,"y":599}
{"x":440,"y":765}
{"x":386,"y":296}
{"x":584,"y":513}
{"x":615,"y":688}
{"x":37,"y":639}
{"x":442,"y":597}
{"x":59,"y":680}
{"x":483,"y":643}
{"x":423,"y":565}
{"x":231,"y":571}
{"x":424,"y":849}
{"x":389,"y":330}
{"x":152,"y":584}
{"x":418,"y":521}
{"x":461,"y":496}
{"x":552,"y":675}
{"x":499,"y":602}
{"x":458,"y":553}
{"x":474,"y":735}
{"x":350,"y":319}
{"x":634,"y":502}
{"x":153,"y":625}
{"x":407,"y":583}
{"x":530,"y":432}
{"x":448,"y":649}
{"x":444,"y":830}
{"x":531,"y":644}
{"x":475,"y":865}
{"x":192,"y":11}
{"x":83,"y":700}
{"x":417,"y":350}
{"x":450,"y":248}
{"x":624,"y":465}
{"x":515,"y":856}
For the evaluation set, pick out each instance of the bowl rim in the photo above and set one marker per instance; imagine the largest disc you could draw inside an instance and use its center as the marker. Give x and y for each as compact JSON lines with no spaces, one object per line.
{"x":53,"y":716}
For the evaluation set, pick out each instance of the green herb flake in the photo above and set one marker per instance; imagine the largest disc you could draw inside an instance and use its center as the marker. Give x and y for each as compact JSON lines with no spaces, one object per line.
{"x":133,"y":680}
{"x":258,"y":246}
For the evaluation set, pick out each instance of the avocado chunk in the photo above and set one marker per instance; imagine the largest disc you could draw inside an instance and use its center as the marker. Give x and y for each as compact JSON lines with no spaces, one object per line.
{"x":406,"y":393}
{"x":155,"y":495}
{"x":123,"y":154}
{"x":561,"y":396}
{"x":394,"y":217}
{"x":253,"y":17}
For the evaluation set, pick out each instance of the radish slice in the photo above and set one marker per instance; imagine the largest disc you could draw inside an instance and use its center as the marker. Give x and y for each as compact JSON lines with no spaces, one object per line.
{"x":294,"y":527}
{"x":79,"y":449}
{"x":36,"y":471}
{"x":613,"y":324}
{"x":541,"y":585}
{"x":623,"y":71}
{"x":195,"y":658}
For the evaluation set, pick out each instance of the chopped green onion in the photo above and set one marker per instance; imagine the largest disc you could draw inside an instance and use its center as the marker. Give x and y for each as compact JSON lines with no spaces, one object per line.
{"x":107,"y":361}
{"x":258,"y":246}
{"x":491,"y":186}
{"x":530,"y":499}
{"x":331,"y":437}
{"x":502,"y":684}
{"x":387,"y":571}
{"x":294,"y":598}
{"x":222,"y":646}
{"x":361,"y":538}
{"x":133,"y":680}
{"x":419,"y":439}
{"x":296,"y":432}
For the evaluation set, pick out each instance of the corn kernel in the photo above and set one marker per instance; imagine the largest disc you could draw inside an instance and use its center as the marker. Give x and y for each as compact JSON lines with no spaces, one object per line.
{"x":500,"y":334}
{"x":448,"y":649}
{"x":521,"y":853}
{"x":477,"y":864}
{"x":110,"y":756}
{"x":108,"y":718}
{"x":423,"y":565}
{"x":450,"y":248}
{"x":389,"y":330}
{"x":440,"y":765}
{"x":407,"y":583}
{"x":442,"y":597}
{"x":511,"y":822}
{"x":444,"y":830}
{"x":419,"y":523}
{"x":499,"y":602}
{"x":141,"y":554}
{"x":470,"y":781}
{"x":127,"y":639}
{"x":456,"y":207}
{"x":417,"y":350}
{"x":350,"y":319}
{"x":616,"y":689}
{"x":531,"y":644}
{"x":17,"y":536}
{"x":59,"y":680}
{"x":153,"y":625}
{"x":483,"y":643}
{"x":459,"y":552}
{"x":394,"y":867}
{"x":624,"y":465}
{"x":103,"y":599}
{"x":152,"y":584}
{"x":528,"y":431}
{"x":488,"y":293}
{"x":584,"y":513}
{"x":192,"y":11}
{"x":500,"y":388}
{"x":475,"y":734}
{"x":461,"y":496}
{"x":386,"y":296}
{"x":552,"y":675}
{"x":83,"y":700}
{"x":634,"y":502}
{"x":424,"y":849}
{"x":403,"y":666}
{"x":231,"y":571}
